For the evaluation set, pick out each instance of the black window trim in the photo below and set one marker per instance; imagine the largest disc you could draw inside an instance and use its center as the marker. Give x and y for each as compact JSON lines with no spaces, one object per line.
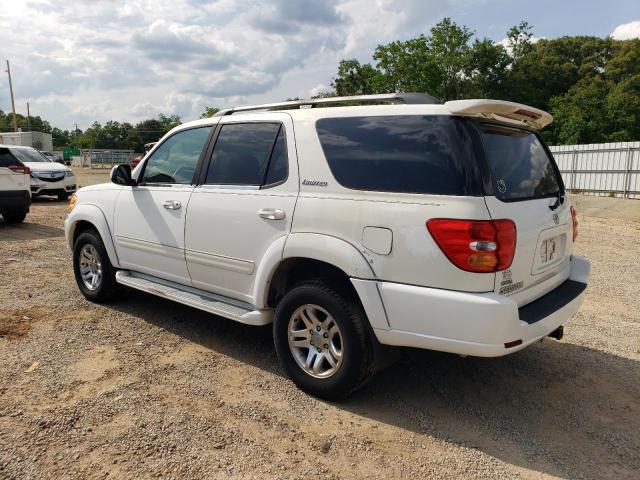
{"x":202,"y":175}
{"x":198,"y":163}
{"x":488,"y":175}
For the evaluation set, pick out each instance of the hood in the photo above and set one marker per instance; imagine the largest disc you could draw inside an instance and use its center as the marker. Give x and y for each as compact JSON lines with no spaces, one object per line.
{"x":46,"y":167}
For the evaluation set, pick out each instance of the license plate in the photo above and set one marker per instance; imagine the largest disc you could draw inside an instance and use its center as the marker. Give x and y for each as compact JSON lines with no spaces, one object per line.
{"x":549,"y":250}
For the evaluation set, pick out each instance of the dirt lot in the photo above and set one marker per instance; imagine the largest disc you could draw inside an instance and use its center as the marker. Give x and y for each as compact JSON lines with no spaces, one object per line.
{"x":144,"y":388}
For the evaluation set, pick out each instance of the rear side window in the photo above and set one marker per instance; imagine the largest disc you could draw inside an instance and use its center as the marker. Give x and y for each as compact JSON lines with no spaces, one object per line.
{"x":6,"y":159}
{"x":412,"y":154}
{"x":242,"y":152}
{"x":521,"y":168}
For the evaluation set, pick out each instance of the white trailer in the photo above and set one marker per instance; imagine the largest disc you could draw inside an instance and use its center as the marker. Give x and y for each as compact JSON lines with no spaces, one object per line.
{"x":38,"y":140}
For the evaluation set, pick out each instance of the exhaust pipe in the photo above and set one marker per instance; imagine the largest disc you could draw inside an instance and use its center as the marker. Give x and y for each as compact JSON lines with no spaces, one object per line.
{"x":558,"y":333}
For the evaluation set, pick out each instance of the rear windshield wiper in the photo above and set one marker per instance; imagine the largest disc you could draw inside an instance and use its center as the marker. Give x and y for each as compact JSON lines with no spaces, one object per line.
{"x":559,"y":200}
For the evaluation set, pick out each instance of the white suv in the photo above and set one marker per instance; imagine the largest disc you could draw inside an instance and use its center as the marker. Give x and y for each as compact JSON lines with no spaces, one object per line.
{"x":351,"y":228}
{"x":47,"y":177}
{"x":15,"y":195}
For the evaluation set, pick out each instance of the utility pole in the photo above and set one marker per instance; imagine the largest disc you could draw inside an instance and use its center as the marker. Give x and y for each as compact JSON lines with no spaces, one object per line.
{"x":13,"y":103}
{"x":28,"y":119}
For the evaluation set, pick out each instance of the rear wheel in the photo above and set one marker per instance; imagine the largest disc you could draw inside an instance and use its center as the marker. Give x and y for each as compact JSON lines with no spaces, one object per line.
{"x":14,"y":216}
{"x":323,"y":340}
{"x":94,"y":273}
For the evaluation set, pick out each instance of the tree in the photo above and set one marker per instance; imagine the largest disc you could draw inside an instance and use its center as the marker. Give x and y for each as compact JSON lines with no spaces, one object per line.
{"x":580,"y":114}
{"x":209,"y":112}
{"x":449,"y":48}
{"x":487,"y":70}
{"x":356,"y":79}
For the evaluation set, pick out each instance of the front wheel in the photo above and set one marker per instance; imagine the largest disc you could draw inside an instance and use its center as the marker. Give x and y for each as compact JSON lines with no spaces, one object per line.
{"x":94,"y":273}
{"x":323,"y":340}
{"x":14,"y":216}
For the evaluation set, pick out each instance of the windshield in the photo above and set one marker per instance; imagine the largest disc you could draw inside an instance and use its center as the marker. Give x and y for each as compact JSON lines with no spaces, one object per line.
{"x":29,"y":155}
{"x":520,"y":166}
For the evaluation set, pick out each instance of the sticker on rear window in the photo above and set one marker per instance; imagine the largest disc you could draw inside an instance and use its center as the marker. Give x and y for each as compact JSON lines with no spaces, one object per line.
{"x":502,"y":186}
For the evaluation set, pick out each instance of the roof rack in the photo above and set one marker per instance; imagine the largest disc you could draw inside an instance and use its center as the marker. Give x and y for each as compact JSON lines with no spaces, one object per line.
{"x":406,"y":98}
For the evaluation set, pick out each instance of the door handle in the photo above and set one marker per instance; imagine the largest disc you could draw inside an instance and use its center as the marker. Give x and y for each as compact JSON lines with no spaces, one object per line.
{"x":271,"y":214}
{"x":172,"y":205}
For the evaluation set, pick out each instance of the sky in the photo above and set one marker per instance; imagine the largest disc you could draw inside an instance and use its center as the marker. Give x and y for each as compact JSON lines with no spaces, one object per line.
{"x":87,"y":60}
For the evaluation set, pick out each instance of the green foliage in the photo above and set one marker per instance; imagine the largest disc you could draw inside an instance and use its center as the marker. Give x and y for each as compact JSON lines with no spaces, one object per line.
{"x":591,"y":85}
{"x":209,"y":112}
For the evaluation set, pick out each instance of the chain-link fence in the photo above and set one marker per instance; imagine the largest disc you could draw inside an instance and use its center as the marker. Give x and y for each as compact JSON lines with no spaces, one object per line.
{"x":99,"y":158}
{"x":605,"y":169}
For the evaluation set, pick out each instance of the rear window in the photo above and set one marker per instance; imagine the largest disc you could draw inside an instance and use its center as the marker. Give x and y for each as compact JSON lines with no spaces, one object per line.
{"x":6,"y":159}
{"x":520,"y":167}
{"x":401,"y":153}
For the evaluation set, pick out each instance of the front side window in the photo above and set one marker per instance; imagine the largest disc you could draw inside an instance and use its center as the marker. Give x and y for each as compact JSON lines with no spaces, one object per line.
{"x":175,"y":160}
{"x":242,"y":152}
{"x":520,"y":167}
{"x":401,"y":153}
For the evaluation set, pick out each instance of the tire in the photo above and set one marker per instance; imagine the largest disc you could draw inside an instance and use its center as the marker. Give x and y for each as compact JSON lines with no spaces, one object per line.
{"x":14,"y":216}
{"x":90,"y":242}
{"x":356,"y":363}
{"x":63,"y":196}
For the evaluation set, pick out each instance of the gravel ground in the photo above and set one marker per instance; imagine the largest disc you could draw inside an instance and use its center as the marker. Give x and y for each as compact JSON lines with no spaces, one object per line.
{"x":144,"y":388}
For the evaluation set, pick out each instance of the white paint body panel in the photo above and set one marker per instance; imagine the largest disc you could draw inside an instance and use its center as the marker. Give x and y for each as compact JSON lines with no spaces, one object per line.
{"x":148,"y":237}
{"x":225,"y":238}
{"x":467,"y":323}
{"x":220,"y":247}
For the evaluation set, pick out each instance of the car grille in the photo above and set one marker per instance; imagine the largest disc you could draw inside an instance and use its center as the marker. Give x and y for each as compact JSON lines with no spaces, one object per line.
{"x":49,"y":176}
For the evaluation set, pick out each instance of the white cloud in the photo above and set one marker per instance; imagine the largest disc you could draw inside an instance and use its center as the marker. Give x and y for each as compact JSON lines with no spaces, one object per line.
{"x":627,"y":31}
{"x":506,"y":43}
{"x":100,"y":60}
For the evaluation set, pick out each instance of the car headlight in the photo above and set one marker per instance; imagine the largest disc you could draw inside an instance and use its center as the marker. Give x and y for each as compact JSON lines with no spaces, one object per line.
{"x":70,"y":173}
{"x":72,"y":203}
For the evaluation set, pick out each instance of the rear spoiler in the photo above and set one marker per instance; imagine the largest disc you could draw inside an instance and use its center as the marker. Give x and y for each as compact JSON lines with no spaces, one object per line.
{"x":501,"y":110}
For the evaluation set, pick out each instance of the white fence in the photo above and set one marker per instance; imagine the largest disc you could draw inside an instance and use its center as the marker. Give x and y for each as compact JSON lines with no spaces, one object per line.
{"x":101,"y":158}
{"x":605,"y":169}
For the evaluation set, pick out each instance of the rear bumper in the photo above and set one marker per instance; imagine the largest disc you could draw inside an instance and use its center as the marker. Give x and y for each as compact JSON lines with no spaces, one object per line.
{"x":478,"y":324}
{"x":18,"y":199}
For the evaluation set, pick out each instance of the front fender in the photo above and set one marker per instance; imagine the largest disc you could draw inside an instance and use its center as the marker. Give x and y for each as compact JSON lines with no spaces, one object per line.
{"x":95,"y":216}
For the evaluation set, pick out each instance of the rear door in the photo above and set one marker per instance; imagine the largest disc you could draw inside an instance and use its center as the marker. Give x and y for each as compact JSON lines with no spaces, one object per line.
{"x":527,"y":188}
{"x":244,"y":204}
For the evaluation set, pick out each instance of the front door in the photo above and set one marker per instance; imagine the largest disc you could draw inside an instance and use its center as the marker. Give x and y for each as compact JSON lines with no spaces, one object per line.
{"x":244,"y":204}
{"x":149,"y":218}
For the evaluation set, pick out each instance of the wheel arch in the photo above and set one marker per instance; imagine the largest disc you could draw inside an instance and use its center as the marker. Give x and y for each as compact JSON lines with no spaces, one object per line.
{"x":334,"y":257}
{"x":87,"y":217}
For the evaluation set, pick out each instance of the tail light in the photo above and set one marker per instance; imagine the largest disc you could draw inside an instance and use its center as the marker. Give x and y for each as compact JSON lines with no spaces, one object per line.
{"x":19,"y":169}
{"x":574,"y":219}
{"x":475,"y":245}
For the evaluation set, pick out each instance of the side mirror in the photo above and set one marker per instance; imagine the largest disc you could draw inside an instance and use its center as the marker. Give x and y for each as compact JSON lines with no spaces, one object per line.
{"x":121,"y":175}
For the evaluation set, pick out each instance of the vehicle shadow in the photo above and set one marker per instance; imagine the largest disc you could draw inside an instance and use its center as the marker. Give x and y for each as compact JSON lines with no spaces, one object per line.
{"x":27,"y":231}
{"x":555,"y":408}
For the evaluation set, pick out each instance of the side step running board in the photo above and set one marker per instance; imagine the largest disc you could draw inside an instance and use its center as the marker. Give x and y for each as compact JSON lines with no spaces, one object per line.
{"x":193,"y":297}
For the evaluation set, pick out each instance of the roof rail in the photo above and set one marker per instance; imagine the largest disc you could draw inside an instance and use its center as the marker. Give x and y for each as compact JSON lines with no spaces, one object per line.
{"x":406,"y":98}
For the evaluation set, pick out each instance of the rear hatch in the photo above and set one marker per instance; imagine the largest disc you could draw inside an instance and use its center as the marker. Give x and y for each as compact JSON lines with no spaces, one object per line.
{"x":13,"y":174}
{"x":525,"y":186}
